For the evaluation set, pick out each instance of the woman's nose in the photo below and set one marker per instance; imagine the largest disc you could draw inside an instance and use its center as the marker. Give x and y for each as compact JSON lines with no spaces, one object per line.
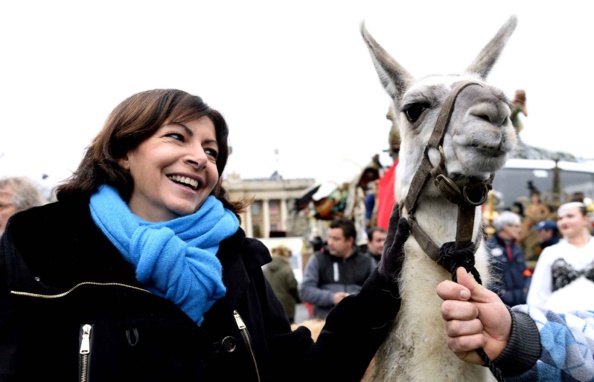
{"x":197,"y":158}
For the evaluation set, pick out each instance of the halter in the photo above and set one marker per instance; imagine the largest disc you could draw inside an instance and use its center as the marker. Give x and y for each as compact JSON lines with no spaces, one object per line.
{"x":468,"y":198}
{"x":461,"y":252}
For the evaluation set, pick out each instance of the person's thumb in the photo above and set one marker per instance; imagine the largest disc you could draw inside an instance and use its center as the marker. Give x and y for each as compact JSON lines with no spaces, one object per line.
{"x":478,"y":293}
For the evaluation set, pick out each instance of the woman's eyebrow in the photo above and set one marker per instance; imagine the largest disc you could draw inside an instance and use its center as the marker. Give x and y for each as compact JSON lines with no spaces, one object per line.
{"x":186,"y":128}
{"x":189,"y":132}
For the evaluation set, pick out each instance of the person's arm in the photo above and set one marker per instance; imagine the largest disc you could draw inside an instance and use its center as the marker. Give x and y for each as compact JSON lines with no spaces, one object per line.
{"x":8,"y":319}
{"x":567,"y":342}
{"x":526,"y":343}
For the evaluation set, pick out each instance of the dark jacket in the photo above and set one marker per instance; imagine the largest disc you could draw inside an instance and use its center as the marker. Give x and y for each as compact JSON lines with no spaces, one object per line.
{"x":284,"y":284}
{"x":552,"y":241}
{"x":59,"y":273}
{"x":326,"y":274}
{"x":510,"y":282}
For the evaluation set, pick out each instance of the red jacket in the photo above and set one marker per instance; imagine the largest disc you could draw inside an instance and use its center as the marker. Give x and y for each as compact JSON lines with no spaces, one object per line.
{"x":386,"y":196}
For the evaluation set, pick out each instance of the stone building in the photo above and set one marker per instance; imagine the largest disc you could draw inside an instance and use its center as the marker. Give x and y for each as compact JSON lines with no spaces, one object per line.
{"x":272,"y":212}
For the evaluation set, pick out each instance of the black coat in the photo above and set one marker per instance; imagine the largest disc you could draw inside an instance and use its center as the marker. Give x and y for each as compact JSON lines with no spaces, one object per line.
{"x":59,"y":273}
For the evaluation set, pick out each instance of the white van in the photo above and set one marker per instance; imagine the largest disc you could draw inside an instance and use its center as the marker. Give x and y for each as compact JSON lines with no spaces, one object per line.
{"x":511,"y":183}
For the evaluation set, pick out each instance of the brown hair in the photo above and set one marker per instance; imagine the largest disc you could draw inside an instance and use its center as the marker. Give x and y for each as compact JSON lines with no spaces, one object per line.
{"x":347,"y":226}
{"x":133,"y":121}
{"x":281,"y":251}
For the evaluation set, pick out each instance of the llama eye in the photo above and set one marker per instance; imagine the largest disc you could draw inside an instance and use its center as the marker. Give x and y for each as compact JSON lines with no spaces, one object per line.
{"x":414,"y":110}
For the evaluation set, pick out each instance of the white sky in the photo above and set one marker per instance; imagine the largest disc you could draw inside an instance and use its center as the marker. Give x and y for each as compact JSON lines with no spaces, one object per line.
{"x":292,"y":76}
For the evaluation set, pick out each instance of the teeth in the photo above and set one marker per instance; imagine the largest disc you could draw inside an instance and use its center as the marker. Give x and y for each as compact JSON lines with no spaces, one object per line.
{"x":192,"y":183}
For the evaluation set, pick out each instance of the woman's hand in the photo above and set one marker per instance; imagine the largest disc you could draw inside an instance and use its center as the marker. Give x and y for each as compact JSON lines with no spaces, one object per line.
{"x":393,"y":255}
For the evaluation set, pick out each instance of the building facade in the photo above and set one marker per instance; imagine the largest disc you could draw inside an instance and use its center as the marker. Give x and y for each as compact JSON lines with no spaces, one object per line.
{"x":272,"y":212}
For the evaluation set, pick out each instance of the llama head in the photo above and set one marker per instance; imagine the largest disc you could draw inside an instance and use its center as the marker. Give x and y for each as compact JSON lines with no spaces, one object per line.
{"x":479,"y":135}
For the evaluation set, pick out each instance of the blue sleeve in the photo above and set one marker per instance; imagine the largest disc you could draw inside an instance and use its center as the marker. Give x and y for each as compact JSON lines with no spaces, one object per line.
{"x":567,"y":344}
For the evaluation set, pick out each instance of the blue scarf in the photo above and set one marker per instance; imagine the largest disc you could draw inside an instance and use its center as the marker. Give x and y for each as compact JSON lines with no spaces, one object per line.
{"x":174,"y":259}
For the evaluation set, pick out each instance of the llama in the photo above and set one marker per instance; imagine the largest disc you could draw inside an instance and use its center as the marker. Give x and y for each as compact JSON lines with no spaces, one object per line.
{"x":436,"y":171}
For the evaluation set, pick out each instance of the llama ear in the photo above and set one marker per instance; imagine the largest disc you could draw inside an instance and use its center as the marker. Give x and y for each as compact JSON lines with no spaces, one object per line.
{"x":486,"y":59}
{"x":392,"y":75}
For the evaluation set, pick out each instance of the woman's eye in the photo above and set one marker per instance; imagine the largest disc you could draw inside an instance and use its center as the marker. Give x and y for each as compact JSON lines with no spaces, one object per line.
{"x":414,"y":110}
{"x":177,"y":136}
{"x":211,"y":152}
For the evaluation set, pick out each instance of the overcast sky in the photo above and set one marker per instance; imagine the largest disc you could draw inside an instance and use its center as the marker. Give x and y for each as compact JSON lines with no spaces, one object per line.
{"x":291,"y":77}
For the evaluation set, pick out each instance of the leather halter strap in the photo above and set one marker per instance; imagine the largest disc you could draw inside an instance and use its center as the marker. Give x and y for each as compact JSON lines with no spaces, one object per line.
{"x":467,"y":199}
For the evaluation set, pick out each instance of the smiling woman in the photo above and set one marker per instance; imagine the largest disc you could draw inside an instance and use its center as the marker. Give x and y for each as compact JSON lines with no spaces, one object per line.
{"x":141,"y":269}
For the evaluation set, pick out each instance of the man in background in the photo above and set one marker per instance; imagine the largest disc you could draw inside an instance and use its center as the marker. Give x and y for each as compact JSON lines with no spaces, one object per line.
{"x":548,"y":233}
{"x":333,"y":274}
{"x":376,"y":237}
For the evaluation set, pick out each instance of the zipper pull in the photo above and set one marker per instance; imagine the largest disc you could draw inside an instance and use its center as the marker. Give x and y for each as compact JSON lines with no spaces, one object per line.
{"x":85,"y":345}
{"x":238,"y":320}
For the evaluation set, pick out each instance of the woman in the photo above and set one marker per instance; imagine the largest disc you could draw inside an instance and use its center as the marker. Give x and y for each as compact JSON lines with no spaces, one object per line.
{"x":282,"y":280}
{"x":564,"y":274}
{"x":510,"y":281}
{"x":140,"y":271}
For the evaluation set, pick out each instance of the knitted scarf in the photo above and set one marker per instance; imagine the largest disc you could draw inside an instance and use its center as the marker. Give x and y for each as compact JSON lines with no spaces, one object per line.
{"x":174,"y":259}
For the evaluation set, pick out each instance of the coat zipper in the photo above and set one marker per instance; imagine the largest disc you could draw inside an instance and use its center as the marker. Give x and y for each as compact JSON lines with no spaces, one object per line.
{"x":59,"y":295}
{"x":85,"y":339}
{"x":85,"y":352}
{"x":246,"y":336}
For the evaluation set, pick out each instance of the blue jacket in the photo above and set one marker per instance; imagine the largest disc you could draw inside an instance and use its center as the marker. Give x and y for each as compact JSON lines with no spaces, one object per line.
{"x":509,"y":282}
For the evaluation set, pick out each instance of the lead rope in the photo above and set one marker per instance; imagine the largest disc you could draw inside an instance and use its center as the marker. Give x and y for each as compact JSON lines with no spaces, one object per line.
{"x":451,"y":259}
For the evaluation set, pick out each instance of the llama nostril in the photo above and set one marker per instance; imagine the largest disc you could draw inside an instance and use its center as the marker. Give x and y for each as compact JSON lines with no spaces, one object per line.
{"x":490,"y":113}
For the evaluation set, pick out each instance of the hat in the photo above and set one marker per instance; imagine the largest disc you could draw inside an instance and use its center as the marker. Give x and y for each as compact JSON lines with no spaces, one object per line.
{"x":546,"y":224}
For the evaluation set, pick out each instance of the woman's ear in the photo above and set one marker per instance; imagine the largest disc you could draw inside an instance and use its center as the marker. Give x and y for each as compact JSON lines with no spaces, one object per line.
{"x":124,"y":163}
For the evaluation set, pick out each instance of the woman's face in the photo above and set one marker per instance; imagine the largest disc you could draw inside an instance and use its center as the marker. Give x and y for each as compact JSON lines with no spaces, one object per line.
{"x":174,"y":170}
{"x":571,"y":222}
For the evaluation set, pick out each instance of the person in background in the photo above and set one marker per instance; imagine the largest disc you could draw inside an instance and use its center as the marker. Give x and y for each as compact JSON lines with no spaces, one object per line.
{"x":564,"y":274}
{"x":518,"y":106}
{"x":525,"y":343}
{"x":17,"y":194}
{"x":332,"y":275}
{"x":282,"y":279}
{"x":536,"y":211}
{"x":140,"y":270}
{"x":548,"y":233}
{"x":317,"y":243}
{"x":376,"y":237}
{"x":385,"y":196}
{"x":510,"y":282}
{"x":578,"y":196}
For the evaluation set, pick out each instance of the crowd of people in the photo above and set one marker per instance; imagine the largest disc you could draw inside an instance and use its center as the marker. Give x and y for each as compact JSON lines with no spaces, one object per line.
{"x":142,"y":263}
